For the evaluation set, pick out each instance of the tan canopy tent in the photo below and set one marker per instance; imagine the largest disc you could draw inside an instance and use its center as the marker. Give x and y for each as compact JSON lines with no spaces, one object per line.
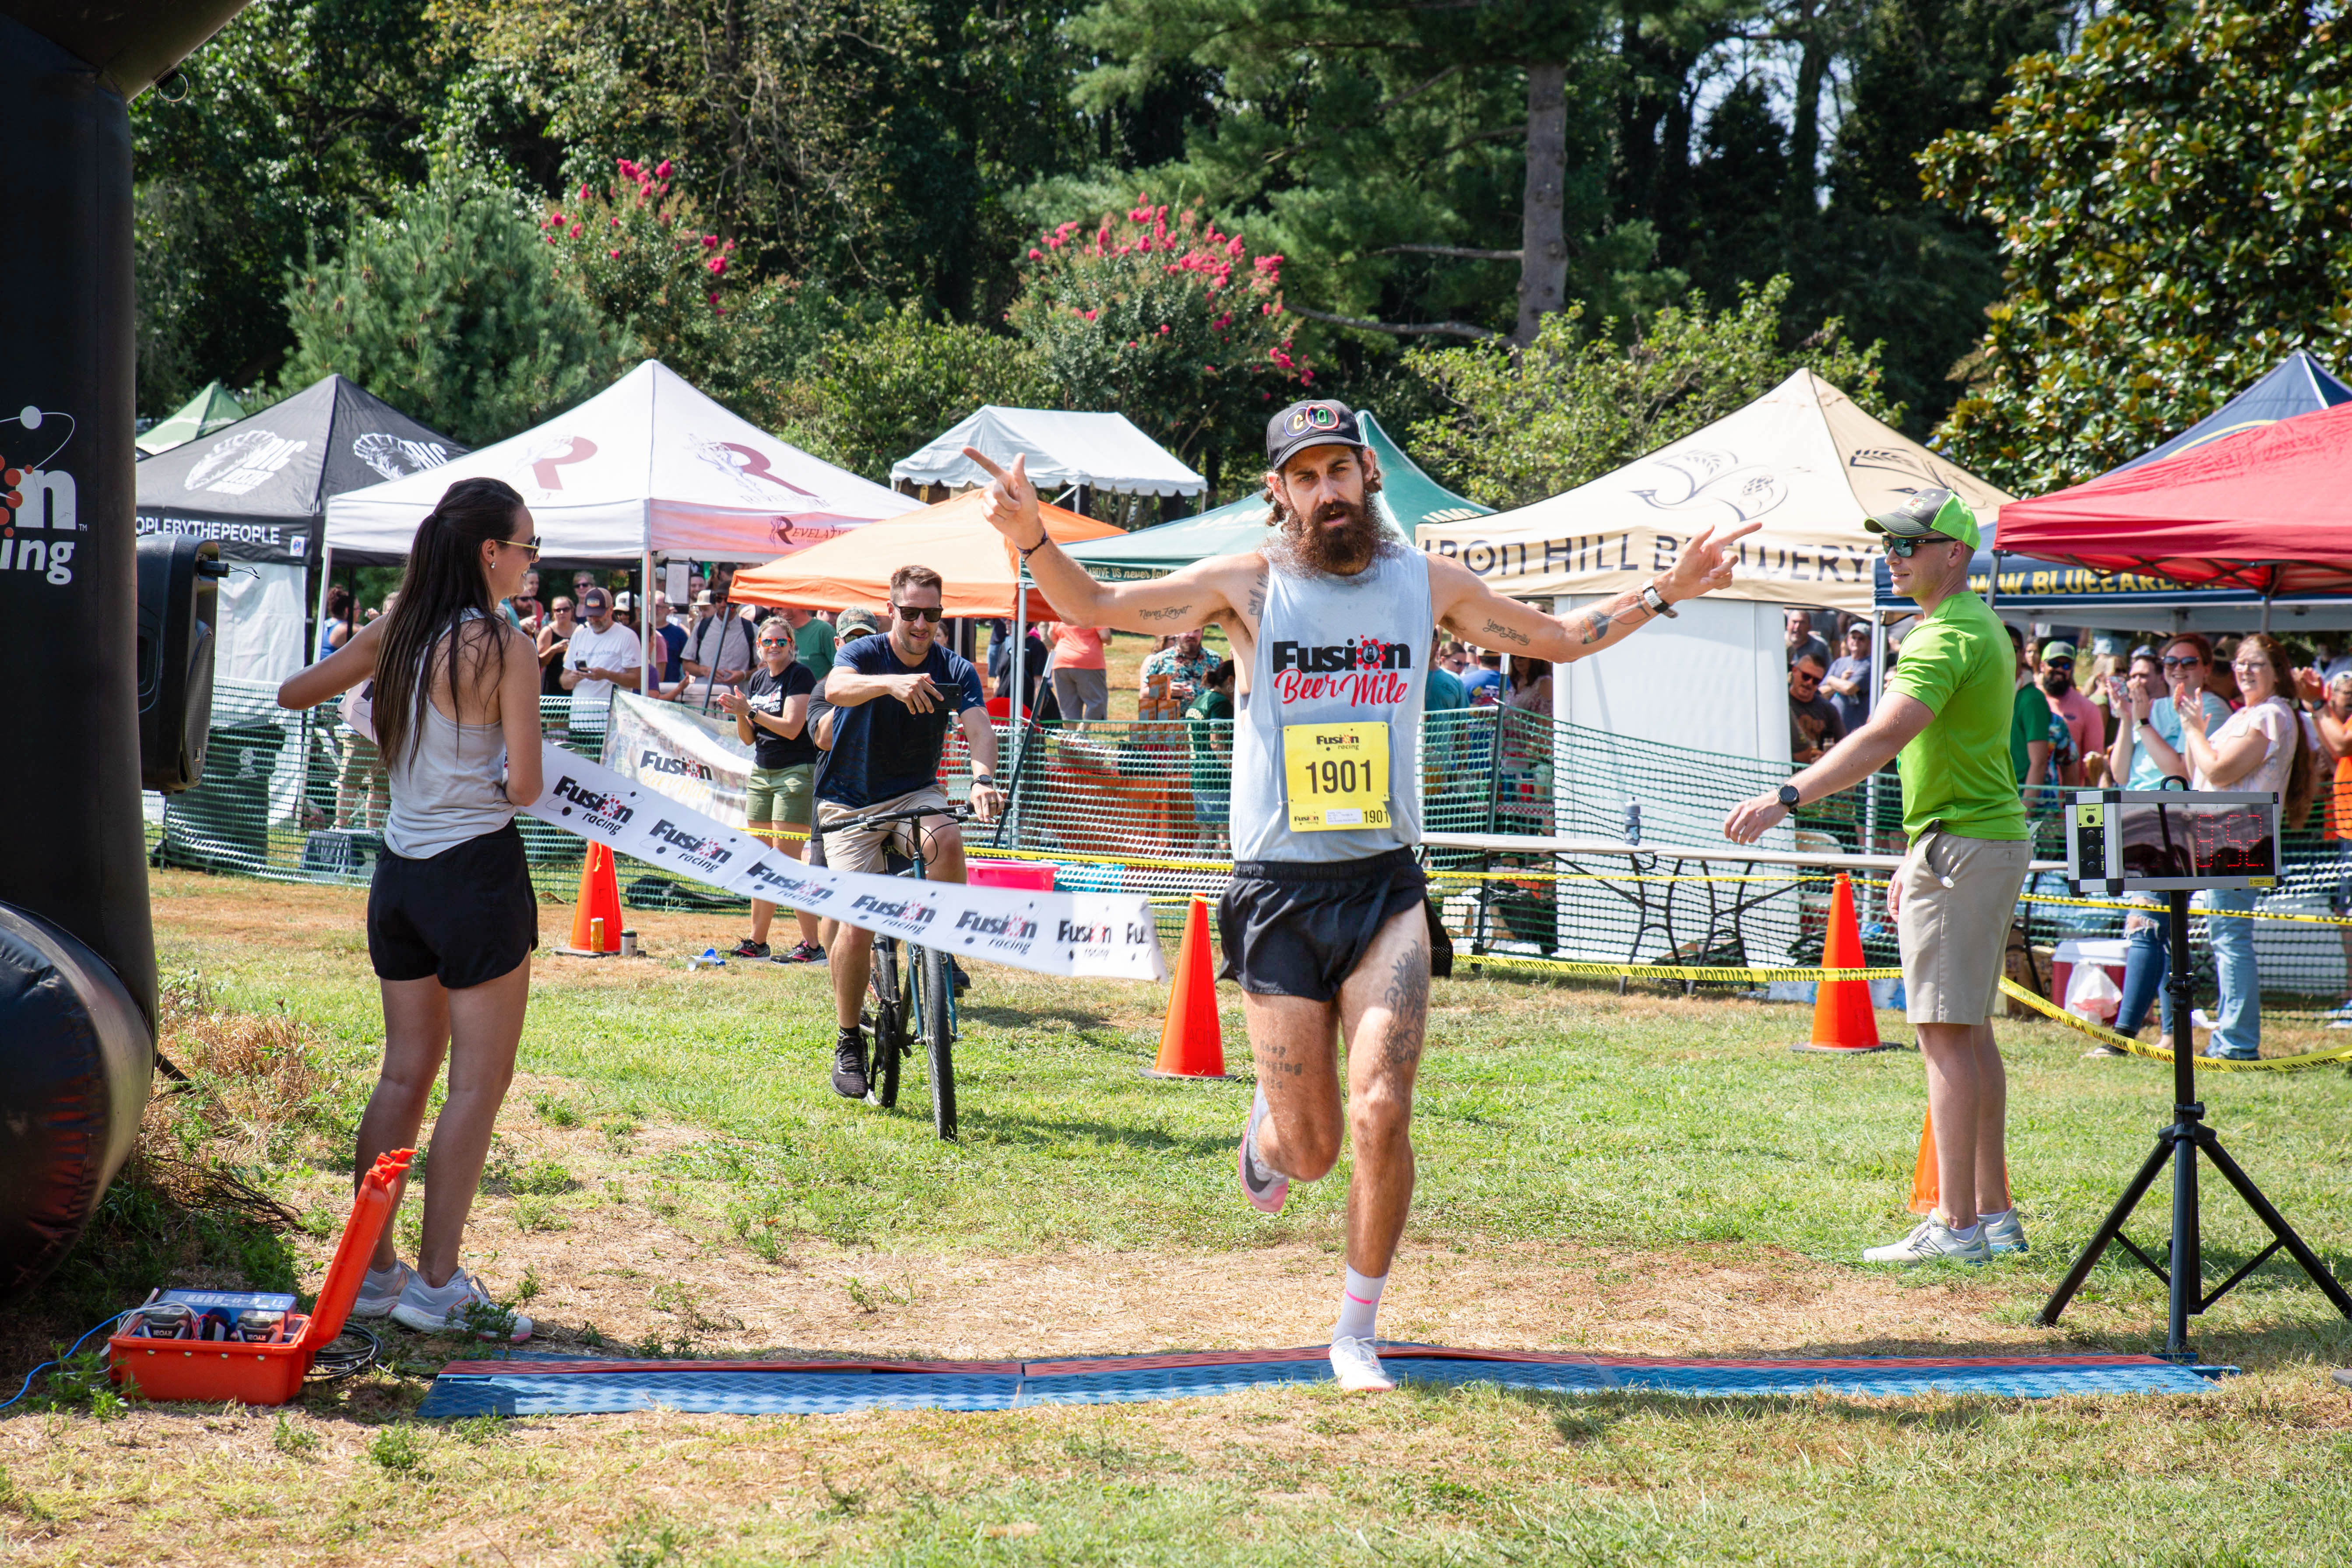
{"x":1802,"y":459}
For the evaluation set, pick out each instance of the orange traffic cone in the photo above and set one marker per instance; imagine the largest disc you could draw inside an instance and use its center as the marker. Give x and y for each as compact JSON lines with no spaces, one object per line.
{"x":1926,"y":1187}
{"x":1191,"y":1042}
{"x":1843,"y":1023}
{"x":596,"y":918}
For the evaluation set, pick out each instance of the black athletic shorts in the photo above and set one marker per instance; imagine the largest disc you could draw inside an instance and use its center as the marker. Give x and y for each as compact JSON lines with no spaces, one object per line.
{"x":461,"y":917}
{"x":1292,"y":927}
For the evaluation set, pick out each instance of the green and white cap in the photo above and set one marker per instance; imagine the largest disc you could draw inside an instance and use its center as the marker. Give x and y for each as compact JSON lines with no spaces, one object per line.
{"x":1936,"y":510}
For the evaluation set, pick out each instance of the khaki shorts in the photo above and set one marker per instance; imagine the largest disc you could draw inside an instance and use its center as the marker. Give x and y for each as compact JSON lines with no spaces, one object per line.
{"x":863,"y":848}
{"x":1955,"y":939}
{"x":780,"y":795}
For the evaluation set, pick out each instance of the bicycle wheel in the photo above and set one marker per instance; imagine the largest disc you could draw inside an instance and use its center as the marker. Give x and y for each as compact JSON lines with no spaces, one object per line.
{"x":889,"y":1026}
{"x":934,"y":1018}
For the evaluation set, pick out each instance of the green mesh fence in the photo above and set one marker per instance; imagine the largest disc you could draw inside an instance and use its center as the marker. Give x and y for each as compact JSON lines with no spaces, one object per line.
{"x":1141,"y":807}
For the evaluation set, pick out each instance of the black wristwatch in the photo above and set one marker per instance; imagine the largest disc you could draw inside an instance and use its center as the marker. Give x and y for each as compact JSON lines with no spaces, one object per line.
{"x":1790,"y":797}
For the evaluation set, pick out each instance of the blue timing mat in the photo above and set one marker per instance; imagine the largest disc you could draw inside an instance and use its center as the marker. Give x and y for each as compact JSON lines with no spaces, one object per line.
{"x":558,"y":1387}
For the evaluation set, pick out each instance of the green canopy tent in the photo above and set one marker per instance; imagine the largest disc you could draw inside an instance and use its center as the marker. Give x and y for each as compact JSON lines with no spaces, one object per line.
{"x":209,"y":410}
{"x":1409,"y":496}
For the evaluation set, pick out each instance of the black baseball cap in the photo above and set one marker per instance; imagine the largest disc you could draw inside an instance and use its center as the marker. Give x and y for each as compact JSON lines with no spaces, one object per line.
{"x":1318,"y":422}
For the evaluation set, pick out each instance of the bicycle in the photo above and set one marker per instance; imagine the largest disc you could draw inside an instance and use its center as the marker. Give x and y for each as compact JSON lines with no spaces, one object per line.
{"x":912,"y":994}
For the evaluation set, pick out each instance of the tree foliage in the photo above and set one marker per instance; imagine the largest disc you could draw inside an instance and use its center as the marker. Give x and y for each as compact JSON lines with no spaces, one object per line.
{"x":870,"y":397}
{"x":2174,"y":201}
{"x":449,"y":310}
{"x":1176,"y":326}
{"x":1576,"y":405}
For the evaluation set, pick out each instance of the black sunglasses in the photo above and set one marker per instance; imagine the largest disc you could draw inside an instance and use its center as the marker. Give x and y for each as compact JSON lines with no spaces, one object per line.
{"x":1908,"y":547}
{"x":917,"y":613}
{"x":2191,"y":662}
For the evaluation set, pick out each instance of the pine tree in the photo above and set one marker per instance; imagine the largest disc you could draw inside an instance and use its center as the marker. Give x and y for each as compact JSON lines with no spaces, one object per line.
{"x":450,"y":310}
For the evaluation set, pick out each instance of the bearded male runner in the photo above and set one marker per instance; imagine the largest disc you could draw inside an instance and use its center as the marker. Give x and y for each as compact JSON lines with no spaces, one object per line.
{"x":1325,"y":920}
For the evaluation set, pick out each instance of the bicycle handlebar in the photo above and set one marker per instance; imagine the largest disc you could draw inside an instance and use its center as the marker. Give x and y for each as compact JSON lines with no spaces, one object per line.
{"x":955,"y":814}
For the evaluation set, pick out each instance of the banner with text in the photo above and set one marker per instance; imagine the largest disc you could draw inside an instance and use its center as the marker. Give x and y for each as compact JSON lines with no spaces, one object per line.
{"x":1107,"y":934}
{"x":693,"y":759}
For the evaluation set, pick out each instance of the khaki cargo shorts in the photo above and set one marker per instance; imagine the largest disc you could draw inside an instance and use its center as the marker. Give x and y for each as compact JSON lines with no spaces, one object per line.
{"x":1959,"y":899}
{"x":863,"y":848}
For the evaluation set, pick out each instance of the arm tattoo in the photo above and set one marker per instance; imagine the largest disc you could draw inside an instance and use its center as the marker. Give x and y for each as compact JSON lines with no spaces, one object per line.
{"x":1407,"y":1000}
{"x":1595,"y":625}
{"x":1497,"y":629}
{"x":1257,"y":597}
{"x":1173,"y":613}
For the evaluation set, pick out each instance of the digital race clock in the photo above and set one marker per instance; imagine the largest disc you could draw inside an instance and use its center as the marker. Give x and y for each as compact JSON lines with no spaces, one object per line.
{"x":2159,"y":840}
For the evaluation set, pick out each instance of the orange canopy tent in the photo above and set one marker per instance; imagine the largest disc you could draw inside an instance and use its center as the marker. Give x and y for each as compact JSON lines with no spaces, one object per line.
{"x":953,"y":539}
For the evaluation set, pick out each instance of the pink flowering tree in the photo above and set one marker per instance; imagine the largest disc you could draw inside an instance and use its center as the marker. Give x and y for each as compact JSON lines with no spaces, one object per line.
{"x":1175,"y":325}
{"x":638,"y":249}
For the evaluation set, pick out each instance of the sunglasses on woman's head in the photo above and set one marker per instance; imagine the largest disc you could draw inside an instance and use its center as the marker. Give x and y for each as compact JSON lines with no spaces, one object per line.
{"x":917,"y":613}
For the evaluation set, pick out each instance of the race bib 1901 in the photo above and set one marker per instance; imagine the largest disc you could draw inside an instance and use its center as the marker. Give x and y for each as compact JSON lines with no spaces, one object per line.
{"x":1336,"y":775}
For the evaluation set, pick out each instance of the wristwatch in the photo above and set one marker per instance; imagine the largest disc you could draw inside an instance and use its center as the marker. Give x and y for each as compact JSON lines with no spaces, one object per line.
{"x":1655,"y":602}
{"x":983,"y":781}
{"x":1790,"y":797}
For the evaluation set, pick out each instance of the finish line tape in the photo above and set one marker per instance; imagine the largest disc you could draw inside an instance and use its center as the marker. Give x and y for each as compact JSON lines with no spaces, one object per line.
{"x":1096,"y":934}
{"x":1732,"y":973}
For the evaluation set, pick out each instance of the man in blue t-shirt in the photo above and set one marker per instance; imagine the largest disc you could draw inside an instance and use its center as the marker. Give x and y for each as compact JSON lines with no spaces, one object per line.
{"x":893,"y":698}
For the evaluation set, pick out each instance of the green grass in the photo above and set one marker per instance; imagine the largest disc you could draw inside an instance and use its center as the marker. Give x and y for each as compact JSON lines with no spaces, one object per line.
{"x":1585,"y":1145}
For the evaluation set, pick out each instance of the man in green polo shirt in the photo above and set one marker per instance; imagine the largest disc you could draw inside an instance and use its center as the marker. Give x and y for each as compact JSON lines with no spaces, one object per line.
{"x":1946,"y":711}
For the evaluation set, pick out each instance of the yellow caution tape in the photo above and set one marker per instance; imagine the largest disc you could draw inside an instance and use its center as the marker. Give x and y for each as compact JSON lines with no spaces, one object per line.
{"x":1735,"y":973}
{"x":2121,"y":1042}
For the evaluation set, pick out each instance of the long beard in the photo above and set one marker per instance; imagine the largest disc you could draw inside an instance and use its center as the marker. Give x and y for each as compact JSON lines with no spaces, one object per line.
{"x":2056,"y":685}
{"x":1342,"y":550}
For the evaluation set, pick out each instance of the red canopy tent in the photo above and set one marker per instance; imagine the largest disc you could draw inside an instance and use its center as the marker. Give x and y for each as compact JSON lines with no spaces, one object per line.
{"x":2269,"y":510}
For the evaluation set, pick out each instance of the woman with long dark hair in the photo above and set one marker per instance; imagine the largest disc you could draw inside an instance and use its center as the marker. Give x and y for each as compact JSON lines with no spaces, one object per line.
{"x":452,"y":919}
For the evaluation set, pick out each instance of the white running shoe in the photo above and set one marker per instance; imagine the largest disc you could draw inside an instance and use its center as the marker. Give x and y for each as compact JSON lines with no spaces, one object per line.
{"x":1266,"y":1196}
{"x":1357,"y":1364}
{"x":1931,"y":1243}
{"x":381,"y":1290}
{"x":462,"y":1306}
{"x":2004,"y":1234}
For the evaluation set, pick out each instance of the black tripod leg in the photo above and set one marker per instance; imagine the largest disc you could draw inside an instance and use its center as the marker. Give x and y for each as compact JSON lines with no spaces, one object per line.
{"x":2279,"y":1228}
{"x":2108,"y":1231}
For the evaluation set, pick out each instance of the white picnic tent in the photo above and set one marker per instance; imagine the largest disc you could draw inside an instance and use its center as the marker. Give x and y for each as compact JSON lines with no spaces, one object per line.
{"x":646,"y":470}
{"x":1100,"y":451}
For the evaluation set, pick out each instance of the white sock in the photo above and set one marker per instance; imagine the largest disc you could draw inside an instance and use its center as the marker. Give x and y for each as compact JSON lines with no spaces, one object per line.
{"x":1359,"y":1304}
{"x":1969,"y":1234}
{"x":1988,"y":1218}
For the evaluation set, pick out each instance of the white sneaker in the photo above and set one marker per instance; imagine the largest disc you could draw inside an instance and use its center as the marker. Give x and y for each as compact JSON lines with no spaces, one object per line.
{"x":1931,"y":1243}
{"x":381,"y":1290}
{"x":1268,"y":1196}
{"x":461,"y":1306}
{"x":2004,"y":1234}
{"x":1357,"y":1367}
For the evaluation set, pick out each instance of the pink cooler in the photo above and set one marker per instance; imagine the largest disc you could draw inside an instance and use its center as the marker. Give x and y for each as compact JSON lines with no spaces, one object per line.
{"x":1031,"y":876}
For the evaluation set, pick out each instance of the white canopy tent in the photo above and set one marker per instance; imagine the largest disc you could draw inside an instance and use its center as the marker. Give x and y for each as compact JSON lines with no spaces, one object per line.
{"x":1100,"y":451}
{"x":648,"y":468}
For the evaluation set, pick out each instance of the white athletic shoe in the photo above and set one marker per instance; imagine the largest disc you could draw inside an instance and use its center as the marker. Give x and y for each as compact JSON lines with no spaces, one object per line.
{"x":2004,"y":1234}
{"x":461,"y":1306}
{"x":1357,"y":1364}
{"x":379,"y":1292}
{"x":1266,"y":1197}
{"x":1931,"y":1243}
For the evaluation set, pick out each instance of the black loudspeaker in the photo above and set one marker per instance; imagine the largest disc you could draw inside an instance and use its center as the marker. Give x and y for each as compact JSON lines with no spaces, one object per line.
{"x":179,"y":599}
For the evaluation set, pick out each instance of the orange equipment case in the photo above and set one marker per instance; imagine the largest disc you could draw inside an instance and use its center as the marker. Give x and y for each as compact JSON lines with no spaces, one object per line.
{"x":216,"y":1371}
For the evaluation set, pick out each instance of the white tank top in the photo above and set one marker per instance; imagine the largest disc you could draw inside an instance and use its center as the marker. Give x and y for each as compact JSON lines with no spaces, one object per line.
{"x":447,"y":789}
{"x":1333,"y":652}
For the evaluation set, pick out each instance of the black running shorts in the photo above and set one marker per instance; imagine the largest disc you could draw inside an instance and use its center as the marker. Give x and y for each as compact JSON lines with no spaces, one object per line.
{"x":1292,"y":927}
{"x":461,"y":917}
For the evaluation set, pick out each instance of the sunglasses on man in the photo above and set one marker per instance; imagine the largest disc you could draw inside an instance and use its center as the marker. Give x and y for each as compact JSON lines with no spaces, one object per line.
{"x":1908,"y":547}
{"x":919,"y":614}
